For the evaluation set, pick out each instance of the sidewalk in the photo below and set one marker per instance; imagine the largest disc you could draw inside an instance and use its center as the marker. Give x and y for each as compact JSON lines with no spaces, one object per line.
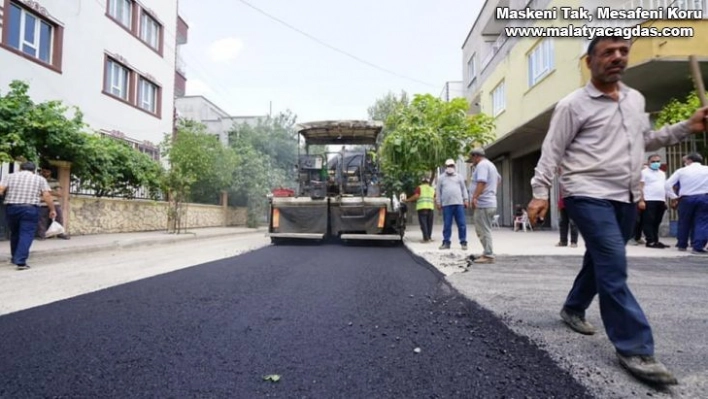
{"x":530,"y":243}
{"x":100,"y":242}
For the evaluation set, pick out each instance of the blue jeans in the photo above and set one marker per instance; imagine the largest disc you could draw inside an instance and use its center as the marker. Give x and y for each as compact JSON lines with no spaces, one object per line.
{"x":456,"y":212}
{"x":22,"y":223}
{"x":606,"y":227}
{"x":693,"y":221}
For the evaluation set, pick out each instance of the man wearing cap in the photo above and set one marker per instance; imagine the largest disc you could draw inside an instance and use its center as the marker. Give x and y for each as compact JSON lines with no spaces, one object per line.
{"x":424,"y":198}
{"x":452,"y":197}
{"x":22,"y":194}
{"x":484,"y":201}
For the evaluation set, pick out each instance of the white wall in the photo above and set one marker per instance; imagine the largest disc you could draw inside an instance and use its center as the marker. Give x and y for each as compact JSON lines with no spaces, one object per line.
{"x":216,"y":120}
{"x":88,"y":35}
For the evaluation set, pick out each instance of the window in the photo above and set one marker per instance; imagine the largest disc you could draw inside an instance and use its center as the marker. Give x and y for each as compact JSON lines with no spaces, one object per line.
{"x":147,"y":95}
{"x":121,"y":11}
{"x":150,"y":31}
{"x":30,"y":34}
{"x":540,"y":61}
{"x":117,"y":77}
{"x":498,"y":99}
{"x":472,"y":69}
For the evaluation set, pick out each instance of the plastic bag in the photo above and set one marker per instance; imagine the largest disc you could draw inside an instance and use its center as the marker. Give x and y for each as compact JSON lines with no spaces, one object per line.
{"x":54,"y":229}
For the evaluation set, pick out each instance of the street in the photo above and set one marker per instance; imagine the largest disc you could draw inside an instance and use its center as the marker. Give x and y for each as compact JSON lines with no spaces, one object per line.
{"x":330,"y":321}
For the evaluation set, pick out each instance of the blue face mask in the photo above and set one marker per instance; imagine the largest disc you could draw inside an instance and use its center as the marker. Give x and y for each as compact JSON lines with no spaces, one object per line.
{"x":655,"y":165}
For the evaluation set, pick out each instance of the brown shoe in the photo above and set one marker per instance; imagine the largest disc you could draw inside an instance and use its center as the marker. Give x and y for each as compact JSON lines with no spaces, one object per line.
{"x":648,"y":369}
{"x":577,"y":323}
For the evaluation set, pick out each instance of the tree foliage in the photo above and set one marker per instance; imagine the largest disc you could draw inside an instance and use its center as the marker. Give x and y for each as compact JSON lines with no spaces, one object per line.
{"x":30,"y":131}
{"x":426,"y":133}
{"x":274,"y":138}
{"x":386,"y":106}
{"x":43,"y":132}
{"x":112,"y":168}
{"x":676,"y":111}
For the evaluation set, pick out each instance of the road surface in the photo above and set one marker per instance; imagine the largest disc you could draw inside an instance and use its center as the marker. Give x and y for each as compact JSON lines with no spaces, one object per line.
{"x":329,"y":321}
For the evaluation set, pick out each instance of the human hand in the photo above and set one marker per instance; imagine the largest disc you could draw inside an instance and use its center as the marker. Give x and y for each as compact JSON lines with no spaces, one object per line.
{"x":475,"y":201}
{"x":642,"y":205}
{"x":537,"y":210}
{"x":467,"y":204}
{"x":699,"y":121}
{"x":674,"y":203}
{"x":52,"y":215}
{"x":438,"y":206}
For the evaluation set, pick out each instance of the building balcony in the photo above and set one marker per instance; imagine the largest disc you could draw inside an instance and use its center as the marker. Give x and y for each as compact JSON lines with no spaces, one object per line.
{"x":180,"y":84}
{"x":182,"y":31}
{"x":659,"y":67}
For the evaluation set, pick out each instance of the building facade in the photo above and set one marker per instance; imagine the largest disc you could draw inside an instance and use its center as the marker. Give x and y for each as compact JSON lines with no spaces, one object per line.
{"x":518,"y":81}
{"x":217,"y":121}
{"x":116,"y":60}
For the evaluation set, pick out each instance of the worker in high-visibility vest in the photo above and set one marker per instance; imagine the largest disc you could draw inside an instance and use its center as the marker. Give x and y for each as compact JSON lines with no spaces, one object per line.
{"x":424,"y":198}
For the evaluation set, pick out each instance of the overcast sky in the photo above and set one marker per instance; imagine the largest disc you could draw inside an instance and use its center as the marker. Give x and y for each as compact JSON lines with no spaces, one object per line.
{"x":242,"y":60}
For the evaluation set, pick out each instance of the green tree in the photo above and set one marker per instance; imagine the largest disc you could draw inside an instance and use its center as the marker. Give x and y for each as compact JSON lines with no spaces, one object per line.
{"x":31,"y":131}
{"x":386,"y":106}
{"x":200,"y":167}
{"x":427,"y":132}
{"x":274,"y":138}
{"x":679,"y":110}
{"x":112,"y":168}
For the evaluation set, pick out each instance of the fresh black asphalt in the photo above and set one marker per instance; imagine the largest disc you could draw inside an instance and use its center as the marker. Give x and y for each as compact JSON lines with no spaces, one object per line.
{"x":331,"y":321}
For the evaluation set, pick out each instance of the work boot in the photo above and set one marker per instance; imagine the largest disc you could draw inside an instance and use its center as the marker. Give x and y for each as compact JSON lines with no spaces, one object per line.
{"x":445,"y":246}
{"x":648,"y":369}
{"x":464,"y":246}
{"x":577,"y":323}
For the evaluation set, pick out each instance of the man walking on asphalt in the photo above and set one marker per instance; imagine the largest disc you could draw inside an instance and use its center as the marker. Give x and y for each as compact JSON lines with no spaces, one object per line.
{"x":652,"y":200}
{"x":451,"y":196}
{"x":424,"y":198}
{"x":484,"y":201}
{"x":693,"y":207}
{"x":22,"y":194}
{"x":598,"y":135}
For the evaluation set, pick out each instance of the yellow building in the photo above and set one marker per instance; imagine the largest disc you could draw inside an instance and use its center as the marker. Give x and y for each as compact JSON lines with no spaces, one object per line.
{"x":518,"y":80}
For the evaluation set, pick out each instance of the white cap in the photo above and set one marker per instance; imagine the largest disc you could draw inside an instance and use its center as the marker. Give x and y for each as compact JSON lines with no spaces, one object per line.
{"x":450,"y":162}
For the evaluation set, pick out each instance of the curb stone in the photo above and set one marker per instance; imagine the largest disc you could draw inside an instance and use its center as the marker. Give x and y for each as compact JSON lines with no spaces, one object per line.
{"x":135,"y":243}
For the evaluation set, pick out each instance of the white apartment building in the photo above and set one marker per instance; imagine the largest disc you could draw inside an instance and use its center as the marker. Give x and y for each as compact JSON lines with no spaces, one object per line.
{"x":113,"y":59}
{"x":217,"y":121}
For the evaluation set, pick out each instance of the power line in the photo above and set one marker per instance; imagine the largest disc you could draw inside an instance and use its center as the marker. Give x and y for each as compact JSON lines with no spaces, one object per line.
{"x":331,"y":47}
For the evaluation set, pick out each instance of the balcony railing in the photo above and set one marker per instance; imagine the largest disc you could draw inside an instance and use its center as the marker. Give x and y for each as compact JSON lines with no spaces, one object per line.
{"x":182,"y":31}
{"x":496,"y":47}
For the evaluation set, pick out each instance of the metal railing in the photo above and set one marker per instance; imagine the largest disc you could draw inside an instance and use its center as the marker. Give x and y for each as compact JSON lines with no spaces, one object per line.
{"x":139,"y":193}
{"x":496,"y":47}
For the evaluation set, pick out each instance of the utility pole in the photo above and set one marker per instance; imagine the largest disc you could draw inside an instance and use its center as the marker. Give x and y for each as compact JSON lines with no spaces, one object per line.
{"x":270,"y":108}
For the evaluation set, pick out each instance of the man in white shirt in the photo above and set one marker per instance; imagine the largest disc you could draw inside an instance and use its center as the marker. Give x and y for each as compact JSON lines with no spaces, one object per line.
{"x":693,"y":206}
{"x":652,"y":201}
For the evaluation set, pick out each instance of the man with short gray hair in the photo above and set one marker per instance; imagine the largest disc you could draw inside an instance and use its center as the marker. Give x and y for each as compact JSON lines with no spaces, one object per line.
{"x":23,"y":191}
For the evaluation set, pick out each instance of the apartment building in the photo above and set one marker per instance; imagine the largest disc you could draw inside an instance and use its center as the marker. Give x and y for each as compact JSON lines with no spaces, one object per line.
{"x":518,"y":81}
{"x":116,"y":60}
{"x":217,"y":121}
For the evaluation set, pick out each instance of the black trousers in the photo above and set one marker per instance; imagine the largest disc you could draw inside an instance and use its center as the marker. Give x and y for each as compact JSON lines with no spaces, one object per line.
{"x":565,"y":225}
{"x":653,"y":214}
{"x":425,"y":219}
{"x":638,"y":225}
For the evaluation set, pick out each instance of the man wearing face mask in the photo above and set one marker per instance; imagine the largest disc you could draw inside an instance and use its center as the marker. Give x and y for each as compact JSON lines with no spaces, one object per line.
{"x":452,"y":197}
{"x":652,"y":200}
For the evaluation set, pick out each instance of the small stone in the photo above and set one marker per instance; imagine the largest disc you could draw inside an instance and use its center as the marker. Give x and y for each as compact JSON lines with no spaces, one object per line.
{"x":416,"y":350}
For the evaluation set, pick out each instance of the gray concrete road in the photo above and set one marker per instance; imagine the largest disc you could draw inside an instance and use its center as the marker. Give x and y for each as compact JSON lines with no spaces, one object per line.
{"x":527,"y":288}
{"x":53,"y":278}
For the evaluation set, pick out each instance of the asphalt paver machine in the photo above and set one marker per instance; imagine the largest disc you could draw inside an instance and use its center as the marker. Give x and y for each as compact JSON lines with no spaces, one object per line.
{"x":338,"y":194}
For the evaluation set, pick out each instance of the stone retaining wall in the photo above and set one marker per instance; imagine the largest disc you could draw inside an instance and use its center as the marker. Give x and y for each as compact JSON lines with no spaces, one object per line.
{"x":89,"y":215}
